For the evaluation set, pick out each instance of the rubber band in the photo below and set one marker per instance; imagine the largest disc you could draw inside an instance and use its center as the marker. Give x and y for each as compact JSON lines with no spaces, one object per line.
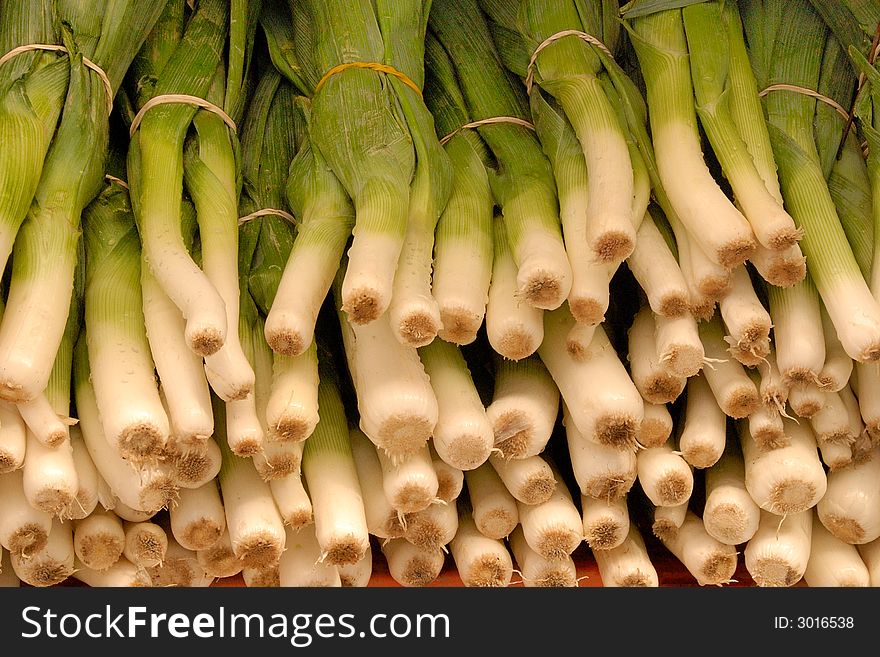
{"x":583,"y":36}
{"x":373,"y":66}
{"x":490,"y":121}
{"x":267,"y":212}
{"x":166,"y":99}
{"x":807,"y":92}
{"x":55,"y":48}
{"x":117,"y":181}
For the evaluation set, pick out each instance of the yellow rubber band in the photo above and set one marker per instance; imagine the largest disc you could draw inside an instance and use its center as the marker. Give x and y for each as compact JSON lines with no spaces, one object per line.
{"x":268,"y":212}
{"x":583,"y":36}
{"x":166,"y":99}
{"x":51,"y":47}
{"x":116,"y":181}
{"x":807,"y":92}
{"x":373,"y":66}
{"x":490,"y":121}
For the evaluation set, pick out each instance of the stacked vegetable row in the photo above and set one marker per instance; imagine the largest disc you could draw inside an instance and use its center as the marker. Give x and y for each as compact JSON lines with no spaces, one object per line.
{"x":335,"y":285}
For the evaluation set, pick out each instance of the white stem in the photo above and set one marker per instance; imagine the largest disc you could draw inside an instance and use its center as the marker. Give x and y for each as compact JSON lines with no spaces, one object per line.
{"x":525,"y":404}
{"x":868,"y":378}
{"x":850,"y":508}
{"x":181,"y":372}
{"x":601,"y":471}
{"x":870,"y":554}
{"x":131,"y":515}
{"x":657,"y":272}
{"x":665,"y":476}
{"x":219,"y":559}
{"x":50,"y":479}
{"x":838,"y":367}
{"x":590,"y":295}
{"x":43,"y":422}
{"x":679,"y":348}
{"x":99,"y":539}
{"x":606,"y":522}
{"x":833,"y":563}
{"x":704,"y":432}
{"x":301,"y":563}
{"x":180,"y":568}
{"x":577,"y":342}
{"x":553,"y":528}
{"x":628,"y":564}
{"x":835,"y":455}
{"x":292,"y":408}
{"x":145,"y":543}
{"x":712,"y":280}
{"x":461,"y":287}
{"x":244,"y":431}
{"x":781,"y":268}
{"x":708,"y":560}
{"x":463,"y":435}
{"x":409,"y":565}
{"x":831,"y":422}
{"x":806,"y":399}
{"x":199,"y":518}
{"x":656,"y":426}
{"x":538,"y":571}
{"x":604,"y":403}
{"x":12,"y":438}
{"x":543,"y":276}
{"x":366,"y":288}
{"x":747,"y":321}
{"x":734,"y":391}
{"x":227,"y":369}
{"x":668,"y":520}
{"x":788,"y":479}
{"x":51,"y":564}
{"x":766,"y":428}
{"x":357,"y":575}
{"x":410,"y":485}
{"x":797,"y":331}
{"x":278,"y":459}
{"x":383,"y":520}
{"x":87,"y":477}
{"x":23,"y":529}
{"x":529,"y":480}
{"x":495,"y":510}
{"x":292,"y":500}
{"x":8,"y":578}
{"x":261,"y":577}
{"x":656,"y":383}
{"x":730,"y":515}
{"x":432,"y":528}
{"x":773,"y":387}
{"x":196,"y":465}
{"x":480,"y":561}
{"x":777,"y":554}
{"x":450,"y":480}
{"x":122,"y":574}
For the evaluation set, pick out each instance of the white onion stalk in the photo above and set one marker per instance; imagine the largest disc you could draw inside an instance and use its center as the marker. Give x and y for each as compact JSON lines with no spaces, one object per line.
{"x":51,"y":564}
{"x":850,"y":508}
{"x":357,"y":575}
{"x":131,"y":515}
{"x":23,"y":529}
{"x":332,"y":479}
{"x":656,"y":426}
{"x":604,"y":402}
{"x":729,"y":515}
{"x":179,"y":569}
{"x":514,"y":327}
{"x":655,"y":382}
{"x":261,"y":577}
{"x":668,"y":520}
{"x":292,"y":408}
{"x":553,"y":528}
{"x":657,"y":272}
{"x":589,"y":296}
{"x":50,"y":479}
{"x":788,"y":479}
{"x":181,"y":372}
{"x":835,"y":455}
{"x":782,"y":268}
{"x":245,"y":423}
{"x":665,"y":476}
{"x":679,"y":348}
{"x":480,"y":561}
{"x":708,"y":560}
{"x":147,"y":490}
{"x":398,"y":409}
{"x":219,"y":559}
{"x":463,"y":435}
{"x":244,"y":431}
{"x":196,"y":464}
{"x":778,"y":553}
{"x":838,"y":367}
{"x":606,"y":523}
{"x":601,"y":471}
{"x":382,"y":518}
{"x":870,"y":554}
{"x":12,"y":438}
{"x":292,"y":500}
{"x":494,"y":508}
{"x":628,"y":564}
{"x":145,"y":543}
{"x":87,"y":477}
{"x":410,"y":485}
{"x":529,"y":480}
{"x":409,"y":565}
{"x":711,"y":279}
{"x":525,"y":404}
{"x":805,"y":399}
{"x":432,"y":528}
{"x":704,"y":431}
{"x":43,"y":422}
{"x":198,"y":520}
{"x":867,"y":376}
{"x":278,"y":459}
{"x":734,"y":391}
{"x":450,"y":481}
{"x":538,"y":571}
{"x":863,"y":441}
{"x":301,"y":563}
{"x":833,"y":563}
{"x":766,"y":428}
{"x":831,"y":422}
{"x":773,"y":387}
{"x":122,"y":574}
{"x":577,"y":342}
{"x":252,"y":518}
{"x":99,"y":539}
{"x":700,"y":305}
{"x":797,"y":331}
{"x":8,"y":578}
{"x":745,"y":318}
